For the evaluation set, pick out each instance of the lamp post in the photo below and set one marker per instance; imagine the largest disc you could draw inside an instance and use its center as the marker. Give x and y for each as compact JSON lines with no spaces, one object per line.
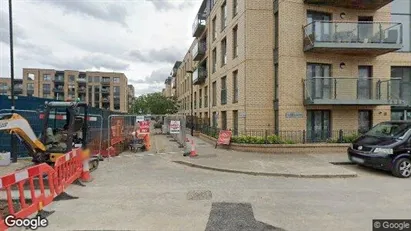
{"x":12,"y":140}
{"x":192,"y":103}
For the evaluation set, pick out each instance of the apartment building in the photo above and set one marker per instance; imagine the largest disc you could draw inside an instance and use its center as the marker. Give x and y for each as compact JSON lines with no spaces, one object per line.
{"x":105,"y":90}
{"x":292,"y":65}
{"x":131,"y":95}
{"x":167,"y":90}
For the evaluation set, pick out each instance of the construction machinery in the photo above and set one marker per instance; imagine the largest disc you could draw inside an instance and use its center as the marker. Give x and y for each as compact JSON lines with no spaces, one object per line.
{"x":55,"y":140}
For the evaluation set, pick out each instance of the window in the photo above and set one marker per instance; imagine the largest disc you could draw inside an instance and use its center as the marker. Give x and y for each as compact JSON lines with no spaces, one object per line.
{"x":223,"y":52}
{"x":46,"y":77}
{"x":30,"y":86}
{"x":214,"y":89}
{"x":214,"y":119}
{"x":364,"y":84}
{"x":276,"y":30}
{"x":224,"y":120}
{"x":235,"y":8}
{"x":200,"y":98}
{"x":96,"y":79}
{"x":235,"y":86}
{"x":206,"y":96}
{"x":30,"y":76}
{"x":195,"y":100}
{"x":364,"y":121}
{"x":318,"y":125}
{"x":401,"y":12}
{"x":214,"y":60}
{"x":116,"y":106}
{"x":90,"y":95}
{"x":235,"y":123}
{"x":214,"y":25}
{"x":223,"y":16}
{"x":90,"y":79}
{"x":319,"y":87}
{"x":224,"y":90}
{"x":106,"y":79}
{"x":71,"y":78}
{"x":235,"y":42}
{"x":46,"y":95}
{"x":276,"y":81}
{"x":46,"y":87}
{"x":401,"y":89}
{"x":116,"y":80}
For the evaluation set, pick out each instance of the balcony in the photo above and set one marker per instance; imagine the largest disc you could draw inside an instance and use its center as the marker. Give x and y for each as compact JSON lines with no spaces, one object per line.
{"x":199,"y":75}
{"x":351,"y":91}
{"x":357,"y":4}
{"x":353,"y":38}
{"x":105,"y":81}
{"x":58,"y":90}
{"x":81,"y":90}
{"x":199,"y":50}
{"x":81,"y":80}
{"x":105,"y":100}
{"x":105,"y":90}
{"x":199,"y":25}
{"x":59,"y":79}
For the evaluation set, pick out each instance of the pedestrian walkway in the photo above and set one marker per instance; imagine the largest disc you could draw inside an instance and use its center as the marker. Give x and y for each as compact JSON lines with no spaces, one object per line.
{"x":287,"y":165}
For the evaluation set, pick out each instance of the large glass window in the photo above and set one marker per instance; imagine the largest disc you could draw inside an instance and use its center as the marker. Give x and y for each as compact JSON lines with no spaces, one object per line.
{"x":318,"y":125}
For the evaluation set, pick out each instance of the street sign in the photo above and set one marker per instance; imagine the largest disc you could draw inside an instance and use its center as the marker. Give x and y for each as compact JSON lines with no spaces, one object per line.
{"x":174,"y":127}
{"x":224,"y":138}
{"x":139,"y":119}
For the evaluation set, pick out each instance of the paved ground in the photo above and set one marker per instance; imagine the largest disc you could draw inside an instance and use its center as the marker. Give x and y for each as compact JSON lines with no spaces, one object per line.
{"x":148,"y":192}
{"x":297,"y":165}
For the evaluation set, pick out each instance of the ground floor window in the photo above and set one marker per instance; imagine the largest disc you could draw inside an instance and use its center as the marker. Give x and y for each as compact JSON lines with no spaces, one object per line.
{"x":235,"y":123}
{"x":401,"y":114}
{"x":224,"y":120}
{"x":214,"y":119}
{"x":364,"y":121}
{"x":318,"y":125}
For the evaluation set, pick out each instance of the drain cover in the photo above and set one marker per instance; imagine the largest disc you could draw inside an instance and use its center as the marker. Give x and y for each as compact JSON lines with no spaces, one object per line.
{"x":197,"y":195}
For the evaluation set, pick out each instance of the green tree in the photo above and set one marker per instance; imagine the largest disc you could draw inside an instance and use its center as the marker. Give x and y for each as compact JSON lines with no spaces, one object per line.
{"x":155,"y":103}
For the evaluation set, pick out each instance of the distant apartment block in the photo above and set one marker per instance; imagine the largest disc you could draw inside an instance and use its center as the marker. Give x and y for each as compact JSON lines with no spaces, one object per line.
{"x":106,"y":90}
{"x":292,"y":65}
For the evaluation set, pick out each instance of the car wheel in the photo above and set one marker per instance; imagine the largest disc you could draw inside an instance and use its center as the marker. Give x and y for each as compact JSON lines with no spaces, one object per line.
{"x":402,"y":168}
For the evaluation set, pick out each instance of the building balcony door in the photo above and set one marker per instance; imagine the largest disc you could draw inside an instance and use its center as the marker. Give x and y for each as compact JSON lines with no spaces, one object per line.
{"x":318,"y":125}
{"x":364,"y":86}
{"x":319,"y":83}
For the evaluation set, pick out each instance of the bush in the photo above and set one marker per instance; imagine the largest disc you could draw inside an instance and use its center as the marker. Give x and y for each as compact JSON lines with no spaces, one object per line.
{"x":345,"y":139}
{"x":259,"y":140}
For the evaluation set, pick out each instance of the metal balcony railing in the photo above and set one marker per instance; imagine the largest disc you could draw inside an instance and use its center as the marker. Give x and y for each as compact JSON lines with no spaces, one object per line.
{"x":351,"y":91}
{"x":199,"y":50}
{"x":199,"y":24}
{"x":199,"y":75}
{"x":379,"y":37}
{"x":59,"y":79}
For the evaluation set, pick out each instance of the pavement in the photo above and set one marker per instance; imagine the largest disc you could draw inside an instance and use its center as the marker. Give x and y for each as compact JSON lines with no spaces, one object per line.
{"x":286,"y":165}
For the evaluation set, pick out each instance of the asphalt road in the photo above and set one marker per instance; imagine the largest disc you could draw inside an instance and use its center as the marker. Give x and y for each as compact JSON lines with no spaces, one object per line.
{"x":147,"y":192}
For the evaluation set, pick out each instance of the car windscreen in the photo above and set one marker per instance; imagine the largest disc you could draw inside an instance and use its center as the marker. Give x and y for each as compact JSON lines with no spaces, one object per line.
{"x":389,"y":130}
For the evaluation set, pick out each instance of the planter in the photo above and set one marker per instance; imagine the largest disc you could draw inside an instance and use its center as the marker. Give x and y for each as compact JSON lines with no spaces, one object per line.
{"x":317,"y":148}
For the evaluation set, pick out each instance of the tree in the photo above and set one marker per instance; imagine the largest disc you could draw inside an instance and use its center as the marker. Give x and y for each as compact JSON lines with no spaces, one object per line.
{"x":155,"y":103}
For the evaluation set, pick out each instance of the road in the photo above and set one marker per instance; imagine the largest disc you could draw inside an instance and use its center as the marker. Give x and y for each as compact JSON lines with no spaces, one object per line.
{"x":148,"y":192}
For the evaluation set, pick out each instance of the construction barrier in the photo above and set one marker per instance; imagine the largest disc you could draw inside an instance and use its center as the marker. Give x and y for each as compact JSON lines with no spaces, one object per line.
{"x":175,"y":125}
{"x":67,"y":169}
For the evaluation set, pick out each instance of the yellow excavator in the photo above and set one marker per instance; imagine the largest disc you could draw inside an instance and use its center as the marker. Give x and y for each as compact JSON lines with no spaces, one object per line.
{"x":54,"y":141}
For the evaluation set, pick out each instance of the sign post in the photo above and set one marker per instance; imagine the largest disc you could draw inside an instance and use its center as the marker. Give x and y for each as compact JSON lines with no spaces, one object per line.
{"x":224,"y":138}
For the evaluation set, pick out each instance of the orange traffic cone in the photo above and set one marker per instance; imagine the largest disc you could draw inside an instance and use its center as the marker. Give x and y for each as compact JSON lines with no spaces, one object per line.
{"x":193,"y":152}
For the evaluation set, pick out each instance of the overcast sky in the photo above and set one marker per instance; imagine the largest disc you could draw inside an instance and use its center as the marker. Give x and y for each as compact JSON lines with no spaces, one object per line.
{"x":142,"y":38}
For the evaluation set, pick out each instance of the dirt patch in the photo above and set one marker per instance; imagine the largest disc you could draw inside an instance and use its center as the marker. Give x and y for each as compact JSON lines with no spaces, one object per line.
{"x":4,"y":207}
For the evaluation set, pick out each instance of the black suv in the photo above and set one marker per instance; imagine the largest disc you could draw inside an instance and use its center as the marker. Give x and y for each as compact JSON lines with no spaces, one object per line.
{"x":386,"y":146}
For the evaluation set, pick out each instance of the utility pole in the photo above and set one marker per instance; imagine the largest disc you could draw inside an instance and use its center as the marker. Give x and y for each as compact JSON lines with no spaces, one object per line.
{"x":12,"y":138}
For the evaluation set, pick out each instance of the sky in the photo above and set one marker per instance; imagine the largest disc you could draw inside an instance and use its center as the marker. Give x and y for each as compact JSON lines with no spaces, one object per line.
{"x":141,"y":38}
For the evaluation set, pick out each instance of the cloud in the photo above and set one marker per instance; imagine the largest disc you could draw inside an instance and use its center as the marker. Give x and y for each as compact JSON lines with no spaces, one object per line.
{"x":149,"y":89}
{"x":156,"y":77}
{"x":166,"y":5}
{"x":114,"y":12}
{"x":18,"y":33}
{"x":166,"y":55}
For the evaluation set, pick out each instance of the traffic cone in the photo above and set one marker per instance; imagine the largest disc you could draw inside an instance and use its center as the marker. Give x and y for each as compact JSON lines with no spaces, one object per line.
{"x":85,"y":175}
{"x":193,"y":152}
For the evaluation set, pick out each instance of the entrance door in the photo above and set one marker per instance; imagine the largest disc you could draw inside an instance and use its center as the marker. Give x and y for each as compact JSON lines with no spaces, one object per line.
{"x":320,"y":85}
{"x":365,"y":28}
{"x":318,"y":125}
{"x":364,"y":121}
{"x":364,"y":86}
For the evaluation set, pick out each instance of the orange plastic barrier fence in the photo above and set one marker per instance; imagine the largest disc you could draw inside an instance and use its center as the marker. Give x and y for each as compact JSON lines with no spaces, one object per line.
{"x":67,"y":169}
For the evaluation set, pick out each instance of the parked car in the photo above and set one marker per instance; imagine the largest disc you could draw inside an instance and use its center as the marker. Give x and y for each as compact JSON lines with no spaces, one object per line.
{"x":387,"y":146}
